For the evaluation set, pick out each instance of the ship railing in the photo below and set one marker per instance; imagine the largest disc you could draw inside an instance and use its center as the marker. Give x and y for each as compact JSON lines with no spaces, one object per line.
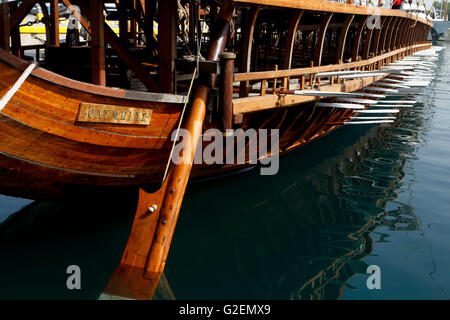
{"x":37,"y":49}
{"x":267,"y":84}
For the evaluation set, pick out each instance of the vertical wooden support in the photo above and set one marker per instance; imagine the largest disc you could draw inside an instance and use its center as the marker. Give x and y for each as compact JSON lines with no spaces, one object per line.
{"x":193,"y":11}
{"x":4,"y":26}
{"x":397,"y":33}
{"x":246,"y":52}
{"x":295,"y":20}
{"x":226,"y":89}
{"x":133,"y":25}
{"x":123,"y":36}
{"x":318,"y":48}
{"x":98,"y":42}
{"x":367,"y":43}
{"x":358,"y":35}
{"x":54,"y":29}
{"x":167,"y":44}
{"x":394,"y":28}
{"x":386,"y":29}
{"x":343,"y":37}
{"x":377,"y":36}
{"x":15,"y":32}
{"x":149,"y":11}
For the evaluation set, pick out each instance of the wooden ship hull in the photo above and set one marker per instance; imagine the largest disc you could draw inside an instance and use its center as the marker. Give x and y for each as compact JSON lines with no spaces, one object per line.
{"x":59,"y":135}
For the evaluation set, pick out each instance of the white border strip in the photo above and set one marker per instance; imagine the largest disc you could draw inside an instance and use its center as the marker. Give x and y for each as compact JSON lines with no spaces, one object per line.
{"x":11,"y":92}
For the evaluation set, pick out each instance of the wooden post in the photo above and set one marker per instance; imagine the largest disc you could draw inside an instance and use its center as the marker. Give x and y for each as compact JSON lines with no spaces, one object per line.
{"x":343,"y":37}
{"x":98,"y":43}
{"x":123,"y":36}
{"x":358,"y":35}
{"x":376,"y":40}
{"x":226,"y":89}
{"x":394,"y":27}
{"x":297,"y":15}
{"x":15,"y":33}
{"x":246,"y":55}
{"x":275,"y":80}
{"x":386,"y":28}
{"x":167,"y":44}
{"x":133,"y":25}
{"x":54,"y":29}
{"x":4,"y":26}
{"x":367,"y":43}
{"x":318,"y":49}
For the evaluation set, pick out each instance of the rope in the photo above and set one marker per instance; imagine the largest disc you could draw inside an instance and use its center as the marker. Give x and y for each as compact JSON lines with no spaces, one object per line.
{"x":11,"y":92}
{"x":179,"y":124}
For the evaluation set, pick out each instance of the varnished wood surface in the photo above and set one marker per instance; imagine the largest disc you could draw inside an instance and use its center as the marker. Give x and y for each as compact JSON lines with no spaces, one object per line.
{"x":327,"y":6}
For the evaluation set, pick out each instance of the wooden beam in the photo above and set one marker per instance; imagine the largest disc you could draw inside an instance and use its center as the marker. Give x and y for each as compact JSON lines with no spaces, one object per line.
{"x":343,"y":38}
{"x":296,"y":16}
{"x":246,"y":52}
{"x":358,"y":35}
{"x":367,"y":43}
{"x":377,"y":36}
{"x":98,"y":42}
{"x":129,"y":60}
{"x":327,"y":6}
{"x":21,"y":13}
{"x":15,"y":33}
{"x":318,"y":49}
{"x":396,"y":34}
{"x":121,"y":50}
{"x":4,"y":26}
{"x":167,"y":44}
{"x":54,"y":29}
{"x":386,"y":29}
{"x":393,"y":28}
{"x":47,"y":21}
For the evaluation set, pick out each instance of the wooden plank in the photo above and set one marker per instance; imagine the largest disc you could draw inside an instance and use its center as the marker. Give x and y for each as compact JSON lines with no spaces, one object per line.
{"x":246,"y":51}
{"x":326,"y":6}
{"x":318,"y":49}
{"x":296,"y":16}
{"x":343,"y":38}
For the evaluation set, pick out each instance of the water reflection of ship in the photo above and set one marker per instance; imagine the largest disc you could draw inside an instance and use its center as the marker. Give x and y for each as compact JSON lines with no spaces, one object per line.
{"x":298,"y":235}
{"x":305,"y":235}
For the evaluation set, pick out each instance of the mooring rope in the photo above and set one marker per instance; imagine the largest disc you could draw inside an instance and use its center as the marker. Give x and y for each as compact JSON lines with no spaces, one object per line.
{"x":11,"y":92}
{"x":179,"y":124}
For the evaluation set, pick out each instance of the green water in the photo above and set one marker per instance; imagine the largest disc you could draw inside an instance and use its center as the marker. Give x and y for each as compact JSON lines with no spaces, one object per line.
{"x":364,"y":195}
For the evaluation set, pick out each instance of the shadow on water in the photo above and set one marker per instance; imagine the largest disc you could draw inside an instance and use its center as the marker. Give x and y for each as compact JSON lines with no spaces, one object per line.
{"x":300,"y":234}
